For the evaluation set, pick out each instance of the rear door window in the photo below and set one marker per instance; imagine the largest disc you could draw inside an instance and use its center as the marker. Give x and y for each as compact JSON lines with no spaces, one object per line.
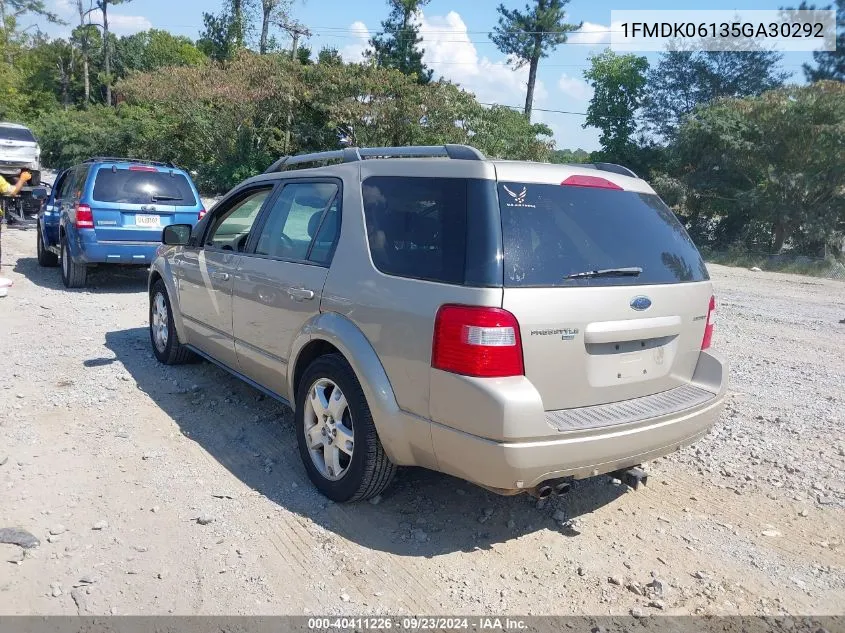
{"x":417,"y":227}
{"x":128,"y":186}
{"x":551,"y":232}
{"x":296,"y":220}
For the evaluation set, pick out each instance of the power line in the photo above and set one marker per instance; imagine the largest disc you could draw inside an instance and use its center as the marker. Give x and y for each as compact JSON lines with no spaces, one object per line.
{"x":502,"y":105}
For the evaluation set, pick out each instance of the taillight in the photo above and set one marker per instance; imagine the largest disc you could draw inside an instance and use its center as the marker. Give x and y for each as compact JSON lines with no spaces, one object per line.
{"x":477,"y":341}
{"x":201,"y":214}
{"x":142,"y":168}
{"x":84,"y":217}
{"x":708,"y":329}
{"x":590,"y":181}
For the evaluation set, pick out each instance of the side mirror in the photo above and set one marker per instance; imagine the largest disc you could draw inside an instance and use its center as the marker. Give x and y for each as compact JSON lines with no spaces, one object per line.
{"x":39,"y":193}
{"x":176,"y":234}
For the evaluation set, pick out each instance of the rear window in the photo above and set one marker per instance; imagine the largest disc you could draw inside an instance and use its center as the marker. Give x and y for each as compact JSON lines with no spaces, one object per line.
{"x":551,"y":231}
{"x":417,"y":227}
{"x":16,"y":134}
{"x":143,"y":187}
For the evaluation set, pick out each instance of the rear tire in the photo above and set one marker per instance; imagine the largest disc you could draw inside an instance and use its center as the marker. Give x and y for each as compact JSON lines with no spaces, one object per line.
{"x":46,"y":258}
{"x":73,"y":275}
{"x":367,"y":471}
{"x":165,"y":341}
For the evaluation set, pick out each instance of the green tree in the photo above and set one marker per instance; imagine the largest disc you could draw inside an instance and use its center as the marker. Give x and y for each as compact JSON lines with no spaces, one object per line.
{"x":618,"y":83}
{"x":103,"y":6}
{"x":683,"y":80}
{"x":231,"y":120}
{"x":829,"y":64}
{"x":68,"y":137}
{"x":328,"y":55}
{"x":502,"y":132}
{"x":154,"y":49}
{"x":768,"y":170}
{"x":84,"y":37}
{"x":398,"y":45}
{"x":303,"y":54}
{"x":569,"y":156}
{"x":50,"y":67}
{"x":222,"y":36}
{"x":272,"y":12}
{"x":11,"y":12}
{"x":529,"y":35}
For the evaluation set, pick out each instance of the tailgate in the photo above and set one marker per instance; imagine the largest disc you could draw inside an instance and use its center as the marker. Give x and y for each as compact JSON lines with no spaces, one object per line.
{"x":134,"y":204}
{"x":18,"y":152}
{"x":587,"y":346}
{"x":609,"y":291}
{"x":136,"y":223}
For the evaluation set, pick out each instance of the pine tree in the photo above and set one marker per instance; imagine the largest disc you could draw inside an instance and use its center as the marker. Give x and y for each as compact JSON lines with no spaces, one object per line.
{"x":530,"y":35}
{"x":830,"y":64}
{"x":397,"y":46}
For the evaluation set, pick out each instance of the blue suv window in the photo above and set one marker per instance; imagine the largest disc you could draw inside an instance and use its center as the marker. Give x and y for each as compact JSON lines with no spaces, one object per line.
{"x":140,"y":186}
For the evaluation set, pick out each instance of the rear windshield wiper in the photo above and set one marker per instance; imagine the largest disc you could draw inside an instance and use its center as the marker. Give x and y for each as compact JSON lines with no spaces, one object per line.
{"x":157,"y":198}
{"x":630,"y":271}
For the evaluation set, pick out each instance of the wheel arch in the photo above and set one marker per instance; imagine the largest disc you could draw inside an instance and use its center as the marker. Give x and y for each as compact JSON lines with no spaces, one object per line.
{"x":406,"y":438}
{"x":157,"y":274}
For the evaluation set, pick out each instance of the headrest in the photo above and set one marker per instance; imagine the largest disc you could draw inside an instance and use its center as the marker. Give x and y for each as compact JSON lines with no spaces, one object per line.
{"x":330,"y":222}
{"x":314,"y":224}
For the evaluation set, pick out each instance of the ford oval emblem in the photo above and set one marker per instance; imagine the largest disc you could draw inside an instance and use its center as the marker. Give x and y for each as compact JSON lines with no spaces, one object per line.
{"x":641,"y":303}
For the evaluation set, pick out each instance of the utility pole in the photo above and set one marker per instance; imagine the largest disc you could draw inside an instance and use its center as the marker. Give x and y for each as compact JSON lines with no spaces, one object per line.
{"x":295,"y":29}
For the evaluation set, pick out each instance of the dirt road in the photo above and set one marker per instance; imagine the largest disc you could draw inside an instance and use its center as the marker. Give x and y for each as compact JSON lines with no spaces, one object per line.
{"x":179,"y":490}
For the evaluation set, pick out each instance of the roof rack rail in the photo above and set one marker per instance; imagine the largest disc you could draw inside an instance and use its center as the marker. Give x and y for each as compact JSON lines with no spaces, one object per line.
{"x":115,"y":159}
{"x":613,"y":168}
{"x":354,"y":154}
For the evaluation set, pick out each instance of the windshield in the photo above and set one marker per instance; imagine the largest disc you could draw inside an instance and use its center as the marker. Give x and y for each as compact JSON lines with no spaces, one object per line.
{"x":143,"y":187}
{"x":564,"y":236}
{"x":16,"y":134}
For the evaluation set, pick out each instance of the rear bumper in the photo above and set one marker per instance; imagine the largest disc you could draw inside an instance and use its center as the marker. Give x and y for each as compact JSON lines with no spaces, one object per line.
{"x":85,"y":249}
{"x":521,"y":464}
{"x":517,"y":465}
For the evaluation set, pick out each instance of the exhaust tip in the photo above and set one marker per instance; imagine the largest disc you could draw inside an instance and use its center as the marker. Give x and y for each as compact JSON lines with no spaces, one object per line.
{"x":562,"y":488}
{"x":544,"y":491}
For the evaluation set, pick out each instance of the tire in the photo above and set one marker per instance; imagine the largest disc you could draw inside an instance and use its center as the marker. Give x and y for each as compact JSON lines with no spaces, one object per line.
{"x":367,"y":471}
{"x":46,"y":258}
{"x":73,"y":275}
{"x":167,"y":349}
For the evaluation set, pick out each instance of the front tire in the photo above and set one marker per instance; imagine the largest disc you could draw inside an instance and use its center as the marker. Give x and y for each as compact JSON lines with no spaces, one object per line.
{"x":338,"y":441}
{"x":73,"y":275}
{"x":165,"y":341}
{"x":46,"y":258}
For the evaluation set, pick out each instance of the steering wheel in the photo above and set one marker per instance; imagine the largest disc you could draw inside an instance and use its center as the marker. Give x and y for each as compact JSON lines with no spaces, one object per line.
{"x":240,"y":243}
{"x":287,"y":243}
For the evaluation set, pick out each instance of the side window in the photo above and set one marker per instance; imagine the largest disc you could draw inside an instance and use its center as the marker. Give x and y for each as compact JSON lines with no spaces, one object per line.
{"x":67,"y":185}
{"x":417,"y":227}
{"x":323,"y":246}
{"x":81,"y":178}
{"x":230,"y":230}
{"x":302,"y":213}
{"x":57,"y":186}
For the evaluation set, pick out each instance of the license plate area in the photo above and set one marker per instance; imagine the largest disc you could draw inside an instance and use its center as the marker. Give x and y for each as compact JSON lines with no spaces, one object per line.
{"x":147,"y":220}
{"x":630,"y":361}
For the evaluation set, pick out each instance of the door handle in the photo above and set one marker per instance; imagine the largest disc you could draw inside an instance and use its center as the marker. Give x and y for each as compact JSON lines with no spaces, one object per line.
{"x":220,"y":276}
{"x":300,"y":294}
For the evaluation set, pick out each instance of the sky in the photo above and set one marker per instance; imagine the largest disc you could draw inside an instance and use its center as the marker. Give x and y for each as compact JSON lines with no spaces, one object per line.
{"x":456,"y":43}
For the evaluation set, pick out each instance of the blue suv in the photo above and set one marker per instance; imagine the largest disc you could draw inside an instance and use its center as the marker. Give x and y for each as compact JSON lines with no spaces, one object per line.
{"x":112,"y":211}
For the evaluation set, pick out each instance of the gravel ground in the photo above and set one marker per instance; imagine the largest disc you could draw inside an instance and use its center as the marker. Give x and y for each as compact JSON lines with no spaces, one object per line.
{"x":156,"y":490}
